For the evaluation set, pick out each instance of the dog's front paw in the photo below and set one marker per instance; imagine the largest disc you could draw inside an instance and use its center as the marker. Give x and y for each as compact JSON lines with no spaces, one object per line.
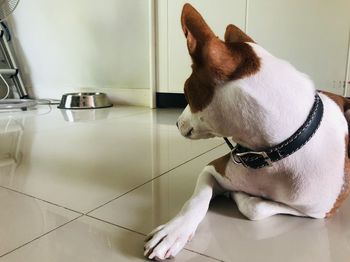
{"x":167,"y":240}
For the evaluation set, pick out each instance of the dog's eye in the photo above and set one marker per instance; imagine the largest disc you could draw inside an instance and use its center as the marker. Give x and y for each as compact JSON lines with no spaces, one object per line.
{"x":201,"y":118}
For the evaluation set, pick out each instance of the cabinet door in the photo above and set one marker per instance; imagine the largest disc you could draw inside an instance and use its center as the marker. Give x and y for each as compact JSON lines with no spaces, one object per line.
{"x":312,"y":35}
{"x":174,"y":63}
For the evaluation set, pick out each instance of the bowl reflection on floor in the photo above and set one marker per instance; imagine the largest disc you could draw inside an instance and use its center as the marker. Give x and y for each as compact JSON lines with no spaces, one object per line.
{"x":85,"y":115}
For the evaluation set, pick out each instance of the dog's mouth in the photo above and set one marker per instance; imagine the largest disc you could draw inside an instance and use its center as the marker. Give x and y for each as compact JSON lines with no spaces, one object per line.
{"x":189,"y":133}
{"x":192,"y":134}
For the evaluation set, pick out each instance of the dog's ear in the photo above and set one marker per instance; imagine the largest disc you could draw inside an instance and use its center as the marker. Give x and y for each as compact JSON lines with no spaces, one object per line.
{"x":235,"y":35}
{"x":195,"y":29}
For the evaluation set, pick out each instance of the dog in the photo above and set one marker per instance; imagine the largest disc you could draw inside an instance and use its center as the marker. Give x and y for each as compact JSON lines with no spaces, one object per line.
{"x":291,"y":155}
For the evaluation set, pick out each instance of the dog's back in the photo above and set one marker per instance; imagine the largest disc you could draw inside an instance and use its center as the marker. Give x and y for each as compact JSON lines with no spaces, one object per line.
{"x":344,"y":105}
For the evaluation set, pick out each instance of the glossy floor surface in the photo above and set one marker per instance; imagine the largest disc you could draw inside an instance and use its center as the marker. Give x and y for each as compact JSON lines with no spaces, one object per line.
{"x":89,"y":185}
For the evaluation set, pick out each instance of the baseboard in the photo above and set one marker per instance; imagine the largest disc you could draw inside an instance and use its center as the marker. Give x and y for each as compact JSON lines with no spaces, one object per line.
{"x":121,"y":96}
{"x":118,"y":96}
{"x":135,"y":97}
{"x":170,"y":100}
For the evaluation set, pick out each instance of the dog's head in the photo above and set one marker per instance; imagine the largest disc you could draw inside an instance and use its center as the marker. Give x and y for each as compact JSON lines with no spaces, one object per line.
{"x":215,"y":63}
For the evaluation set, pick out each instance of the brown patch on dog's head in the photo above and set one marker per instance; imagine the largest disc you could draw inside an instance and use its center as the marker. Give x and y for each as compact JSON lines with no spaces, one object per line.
{"x":235,"y":35}
{"x":214,"y":61}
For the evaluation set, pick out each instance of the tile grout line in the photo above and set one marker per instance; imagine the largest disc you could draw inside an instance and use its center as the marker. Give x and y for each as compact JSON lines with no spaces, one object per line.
{"x":58,"y":205}
{"x":142,"y":234}
{"x":48,"y":232}
{"x":204,"y":255}
{"x":112,"y":224}
{"x":92,"y":217}
{"x":85,"y":213}
{"x":40,"y":199}
{"x":154,"y":178}
{"x":103,"y":221}
{"x":133,"y":231}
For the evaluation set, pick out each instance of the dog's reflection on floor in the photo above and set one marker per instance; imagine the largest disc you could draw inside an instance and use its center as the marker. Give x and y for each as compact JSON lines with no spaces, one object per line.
{"x":227,"y":234}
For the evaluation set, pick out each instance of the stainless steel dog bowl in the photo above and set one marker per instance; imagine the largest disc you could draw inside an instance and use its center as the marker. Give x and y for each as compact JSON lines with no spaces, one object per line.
{"x":84,"y":101}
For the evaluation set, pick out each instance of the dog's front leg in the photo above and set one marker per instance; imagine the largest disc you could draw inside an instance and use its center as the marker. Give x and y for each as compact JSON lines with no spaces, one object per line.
{"x":167,"y":240}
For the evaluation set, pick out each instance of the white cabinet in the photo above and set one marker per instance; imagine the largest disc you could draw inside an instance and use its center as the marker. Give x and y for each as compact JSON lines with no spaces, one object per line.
{"x":174,"y":63}
{"x":312,"y":35}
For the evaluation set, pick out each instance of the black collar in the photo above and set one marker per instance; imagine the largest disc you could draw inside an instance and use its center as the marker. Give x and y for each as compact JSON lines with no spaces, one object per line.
{"x":252,"y":159}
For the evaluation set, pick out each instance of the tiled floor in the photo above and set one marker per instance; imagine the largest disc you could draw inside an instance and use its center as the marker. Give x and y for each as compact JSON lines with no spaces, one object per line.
{"x":90,"y":190}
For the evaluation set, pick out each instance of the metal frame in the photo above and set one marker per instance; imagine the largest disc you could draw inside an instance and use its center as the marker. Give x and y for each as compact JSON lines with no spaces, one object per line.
{"x":13,"y":71}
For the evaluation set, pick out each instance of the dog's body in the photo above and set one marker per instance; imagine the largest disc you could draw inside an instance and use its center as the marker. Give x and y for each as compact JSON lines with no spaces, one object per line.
{"x":239,"y":90}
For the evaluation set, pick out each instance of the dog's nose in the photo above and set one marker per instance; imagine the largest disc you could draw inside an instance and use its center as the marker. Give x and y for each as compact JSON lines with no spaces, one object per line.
{"x":177,"y":124}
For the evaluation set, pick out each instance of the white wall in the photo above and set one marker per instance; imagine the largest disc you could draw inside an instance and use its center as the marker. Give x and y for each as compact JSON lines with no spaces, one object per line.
{"x":73,"y":45}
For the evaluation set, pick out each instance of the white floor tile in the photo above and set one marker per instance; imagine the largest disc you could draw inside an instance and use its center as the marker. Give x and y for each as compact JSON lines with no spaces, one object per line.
{"x":83,"y":166}
{"x":158,"y":201}
{"x":48,"y":118}
{"x":23,"y":219}
{"x":87,"y":239}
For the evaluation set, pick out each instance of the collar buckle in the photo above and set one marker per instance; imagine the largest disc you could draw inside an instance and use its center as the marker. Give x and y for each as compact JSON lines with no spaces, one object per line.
{"x":239,"y":158}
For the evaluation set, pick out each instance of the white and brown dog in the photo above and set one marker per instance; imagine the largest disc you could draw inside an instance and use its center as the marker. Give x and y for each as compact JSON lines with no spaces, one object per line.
{"x":292,"y":156}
